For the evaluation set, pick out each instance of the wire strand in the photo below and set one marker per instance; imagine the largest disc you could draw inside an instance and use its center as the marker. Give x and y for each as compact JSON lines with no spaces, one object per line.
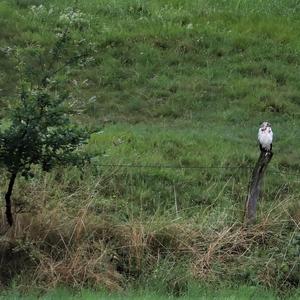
{"x":171,"y":166}
{"x":153,"y":166}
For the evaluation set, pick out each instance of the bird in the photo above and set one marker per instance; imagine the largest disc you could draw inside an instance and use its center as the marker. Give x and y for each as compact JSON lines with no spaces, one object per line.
{"x":265,"y":137}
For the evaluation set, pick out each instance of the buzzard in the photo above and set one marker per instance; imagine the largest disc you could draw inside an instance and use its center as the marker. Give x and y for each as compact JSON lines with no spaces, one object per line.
{"x":265,"y":137}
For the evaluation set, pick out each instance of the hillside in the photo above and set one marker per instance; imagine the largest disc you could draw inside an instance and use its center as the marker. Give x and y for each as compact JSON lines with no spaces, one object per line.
{"x":182,"y":84}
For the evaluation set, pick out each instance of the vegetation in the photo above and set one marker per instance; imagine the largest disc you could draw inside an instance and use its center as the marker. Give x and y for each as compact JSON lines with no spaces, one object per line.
{"x":176,"y":83}
{"x":243,"y":293}
{"x":39,"y":129}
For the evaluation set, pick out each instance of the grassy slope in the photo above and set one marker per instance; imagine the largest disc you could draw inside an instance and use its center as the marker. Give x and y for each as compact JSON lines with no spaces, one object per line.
{"x":185,"y":83}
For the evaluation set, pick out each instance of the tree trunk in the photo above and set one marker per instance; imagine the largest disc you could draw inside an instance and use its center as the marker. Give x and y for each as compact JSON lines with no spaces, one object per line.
{"x":255,"y":186}
{"x":8,"y":211}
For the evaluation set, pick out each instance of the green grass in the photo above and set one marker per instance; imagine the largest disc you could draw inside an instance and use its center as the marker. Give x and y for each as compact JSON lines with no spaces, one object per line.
{"x":242,"y":293}
{"x":180,"y":83}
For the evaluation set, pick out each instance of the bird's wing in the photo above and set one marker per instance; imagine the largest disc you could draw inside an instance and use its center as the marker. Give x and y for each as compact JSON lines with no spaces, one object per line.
{"x":258,"y":134}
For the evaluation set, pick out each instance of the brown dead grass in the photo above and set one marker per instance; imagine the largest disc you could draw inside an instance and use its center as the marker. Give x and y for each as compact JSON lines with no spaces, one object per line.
{"x":90,"y":250}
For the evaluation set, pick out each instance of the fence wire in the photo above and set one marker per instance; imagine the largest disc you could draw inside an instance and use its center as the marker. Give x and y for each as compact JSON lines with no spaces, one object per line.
{"x":198,"y":167}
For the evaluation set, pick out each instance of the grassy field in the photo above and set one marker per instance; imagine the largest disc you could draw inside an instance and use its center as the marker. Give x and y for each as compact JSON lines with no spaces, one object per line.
{"x":242,"y":293}
{"x":174,"y":83}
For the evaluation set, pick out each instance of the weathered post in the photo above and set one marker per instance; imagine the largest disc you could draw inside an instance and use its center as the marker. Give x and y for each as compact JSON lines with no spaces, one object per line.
{"x":265,"y":157}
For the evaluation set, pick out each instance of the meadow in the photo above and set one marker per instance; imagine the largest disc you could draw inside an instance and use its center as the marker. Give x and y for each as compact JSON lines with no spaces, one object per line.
{"x":242,"y":293}
{"x":174,"y":98}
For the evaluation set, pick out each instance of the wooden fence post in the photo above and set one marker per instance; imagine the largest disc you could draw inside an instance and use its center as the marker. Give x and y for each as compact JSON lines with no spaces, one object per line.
{"x":255,"y":185}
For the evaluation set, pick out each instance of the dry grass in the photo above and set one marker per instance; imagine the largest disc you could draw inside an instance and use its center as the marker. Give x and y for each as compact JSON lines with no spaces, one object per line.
{"x":87,"y":250}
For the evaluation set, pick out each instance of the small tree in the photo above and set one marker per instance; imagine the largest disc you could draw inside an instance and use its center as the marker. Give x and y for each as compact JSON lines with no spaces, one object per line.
{"x":39,"y":128}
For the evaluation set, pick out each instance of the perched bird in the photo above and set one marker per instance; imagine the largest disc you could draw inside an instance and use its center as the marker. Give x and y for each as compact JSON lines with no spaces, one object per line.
{"x":265,"y":137}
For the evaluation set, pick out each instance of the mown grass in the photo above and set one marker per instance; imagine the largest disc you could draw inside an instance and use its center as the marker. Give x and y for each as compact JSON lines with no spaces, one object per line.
{"x":177,"y":83}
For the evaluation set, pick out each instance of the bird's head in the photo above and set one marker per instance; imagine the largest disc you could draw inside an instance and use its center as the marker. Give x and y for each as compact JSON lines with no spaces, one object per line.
{"x":265,"y":125}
